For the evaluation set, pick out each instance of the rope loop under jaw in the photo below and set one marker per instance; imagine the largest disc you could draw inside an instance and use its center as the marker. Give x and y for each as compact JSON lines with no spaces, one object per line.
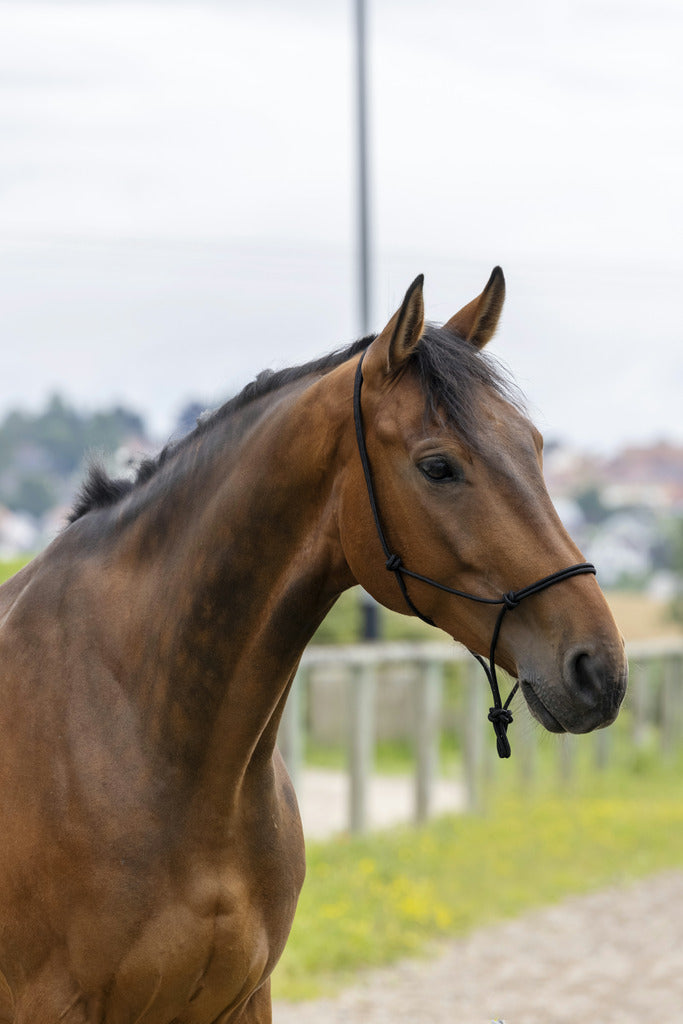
{"x":499,"y":715}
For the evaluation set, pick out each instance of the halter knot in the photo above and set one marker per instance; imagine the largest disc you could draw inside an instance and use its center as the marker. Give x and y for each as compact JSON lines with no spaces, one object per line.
{"x":500,"y":718}
{"x":510,"y":600}
{"x":393,"y":563}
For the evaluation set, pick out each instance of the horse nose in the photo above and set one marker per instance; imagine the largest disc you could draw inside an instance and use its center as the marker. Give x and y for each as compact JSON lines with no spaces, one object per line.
{"x":598,"y":681}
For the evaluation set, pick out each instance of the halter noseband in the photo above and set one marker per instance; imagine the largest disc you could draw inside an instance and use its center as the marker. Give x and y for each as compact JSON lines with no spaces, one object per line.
{"x":499,"y":715}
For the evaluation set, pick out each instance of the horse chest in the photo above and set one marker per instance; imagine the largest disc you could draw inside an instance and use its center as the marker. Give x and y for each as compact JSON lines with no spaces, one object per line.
{"x":190,"y":964}
{"x":212,"y":942}
{"x":206,"y":946}
{"x":207,"y":940}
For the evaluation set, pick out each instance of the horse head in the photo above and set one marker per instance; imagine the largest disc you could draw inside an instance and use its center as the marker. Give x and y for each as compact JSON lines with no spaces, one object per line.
{"x":454,"y":495}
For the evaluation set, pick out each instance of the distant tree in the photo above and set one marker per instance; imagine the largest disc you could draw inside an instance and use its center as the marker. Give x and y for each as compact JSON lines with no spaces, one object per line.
{"x":60,"y":430}
{"x":106,"y":430}
{"x":41,"y":452}
{"x":34,"y":495}
{"x":591,"y":504}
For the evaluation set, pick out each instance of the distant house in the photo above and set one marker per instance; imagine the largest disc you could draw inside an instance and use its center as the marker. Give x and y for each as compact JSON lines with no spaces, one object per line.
{"x":622,"y":546}
{"x":650,"y":476}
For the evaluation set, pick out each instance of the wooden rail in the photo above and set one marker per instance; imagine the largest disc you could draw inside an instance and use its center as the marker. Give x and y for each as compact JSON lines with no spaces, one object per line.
{"x":655,"y":703}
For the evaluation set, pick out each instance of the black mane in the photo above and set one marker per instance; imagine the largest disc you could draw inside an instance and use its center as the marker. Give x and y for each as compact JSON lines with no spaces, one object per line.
{"x":450,"y":371}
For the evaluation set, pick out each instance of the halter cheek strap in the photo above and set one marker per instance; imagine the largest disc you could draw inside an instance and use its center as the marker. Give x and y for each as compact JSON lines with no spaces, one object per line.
{"x":500,"y":715}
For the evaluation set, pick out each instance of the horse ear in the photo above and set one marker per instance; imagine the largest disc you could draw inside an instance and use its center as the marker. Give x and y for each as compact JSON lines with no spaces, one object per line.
{"x":401,"y":336}
{"x":477,"y":321}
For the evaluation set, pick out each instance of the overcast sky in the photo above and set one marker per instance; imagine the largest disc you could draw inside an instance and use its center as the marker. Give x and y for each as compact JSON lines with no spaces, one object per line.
{"x":177,"y":195}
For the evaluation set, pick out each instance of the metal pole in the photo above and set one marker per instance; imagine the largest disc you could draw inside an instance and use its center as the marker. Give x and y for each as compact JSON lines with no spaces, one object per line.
{"x":363,"y":205}
{"x":370,"y":625}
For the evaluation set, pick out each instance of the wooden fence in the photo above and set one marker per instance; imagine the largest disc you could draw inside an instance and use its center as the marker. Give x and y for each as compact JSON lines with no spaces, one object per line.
{"x":654,"y":706}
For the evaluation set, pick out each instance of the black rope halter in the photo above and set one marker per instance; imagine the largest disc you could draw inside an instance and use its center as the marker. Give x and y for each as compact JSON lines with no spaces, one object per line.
{"x":500,"y":715}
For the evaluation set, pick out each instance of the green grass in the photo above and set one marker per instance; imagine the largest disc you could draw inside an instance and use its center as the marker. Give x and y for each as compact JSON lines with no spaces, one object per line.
{"x":369,"y":901}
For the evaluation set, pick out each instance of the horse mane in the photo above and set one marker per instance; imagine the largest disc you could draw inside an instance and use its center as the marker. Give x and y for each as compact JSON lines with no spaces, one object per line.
{"x":450,"y":371}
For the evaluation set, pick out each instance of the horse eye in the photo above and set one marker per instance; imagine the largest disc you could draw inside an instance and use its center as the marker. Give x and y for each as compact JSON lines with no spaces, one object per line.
{"x":436,"y":467}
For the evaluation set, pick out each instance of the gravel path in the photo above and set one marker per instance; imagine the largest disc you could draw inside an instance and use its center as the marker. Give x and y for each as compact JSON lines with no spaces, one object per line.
{"x":614,"y":957}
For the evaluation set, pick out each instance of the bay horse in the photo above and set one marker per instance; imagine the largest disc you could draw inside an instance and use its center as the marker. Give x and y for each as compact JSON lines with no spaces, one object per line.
{"x":152,"y":851}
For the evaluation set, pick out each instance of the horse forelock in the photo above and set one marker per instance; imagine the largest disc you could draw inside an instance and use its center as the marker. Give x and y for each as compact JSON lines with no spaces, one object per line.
{"x":454,"y":375}
{"x":451,"y":372}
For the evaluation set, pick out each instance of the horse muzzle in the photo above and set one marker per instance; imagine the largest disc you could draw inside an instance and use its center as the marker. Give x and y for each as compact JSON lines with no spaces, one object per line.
{"x":587,"y":697}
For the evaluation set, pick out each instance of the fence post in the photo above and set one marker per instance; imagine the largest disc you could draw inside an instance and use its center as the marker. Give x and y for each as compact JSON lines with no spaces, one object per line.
{"x":472,"y":740}
{"x":566,"y":758}
{"x":428,"y":690}
{"x":601,"y":749}
{"x":639,"y":674}
{"x":361,"y":742}
{"x":526,"y":749}
{"x":671,"y":703}
{"x":290,"y":733}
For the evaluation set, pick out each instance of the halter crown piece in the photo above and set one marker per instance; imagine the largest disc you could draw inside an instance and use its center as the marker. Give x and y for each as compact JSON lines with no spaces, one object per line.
{"x":499,"y":715}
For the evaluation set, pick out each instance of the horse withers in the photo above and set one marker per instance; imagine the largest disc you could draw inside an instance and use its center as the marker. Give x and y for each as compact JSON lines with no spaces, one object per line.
{"x":152,"y":851}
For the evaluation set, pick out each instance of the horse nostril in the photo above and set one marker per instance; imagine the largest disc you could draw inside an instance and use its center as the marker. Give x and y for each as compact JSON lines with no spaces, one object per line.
{"x":586,"y":676}
{"x":597,"y":683}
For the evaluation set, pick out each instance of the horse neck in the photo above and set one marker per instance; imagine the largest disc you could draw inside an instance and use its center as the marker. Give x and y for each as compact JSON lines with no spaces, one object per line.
{"x":238,"y":562}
